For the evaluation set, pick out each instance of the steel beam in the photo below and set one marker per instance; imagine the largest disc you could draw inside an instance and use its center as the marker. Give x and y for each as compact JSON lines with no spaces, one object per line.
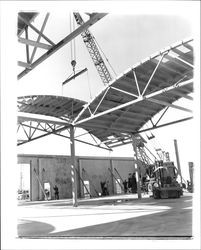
{"x":162,"y":115}
{"x":181,"y":84}
{"x":74,"y":76}
{"x":35,"y":29}
{"x":136,"y":82}
{"x":124,"y":92}
{"x":169,"y":105}
{"x":182,"y":95}
{"x":27,"y":46}
{"x":34,"y":43}
{"x":93,"y":19}
{"x":153,"y":73}
{"x":88,"y":143}
{"x":101,"y":101}
{"x":163,"y":125}
{"x":185,"y":62}
{"x":23,"y":118}
{"x":41,"y":136}
{"x":24,"y":64}
{"x":39,"y":37}
{"x":54,"y":131}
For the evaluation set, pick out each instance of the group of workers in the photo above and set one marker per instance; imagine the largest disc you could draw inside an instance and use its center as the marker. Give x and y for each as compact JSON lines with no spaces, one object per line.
{"x":56,"y":193}
{"x":130,"y":185}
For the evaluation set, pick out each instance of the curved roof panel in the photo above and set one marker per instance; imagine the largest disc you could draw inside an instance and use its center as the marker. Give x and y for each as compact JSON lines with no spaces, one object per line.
{"x":129,"y":101}
{"x":65,"y":108}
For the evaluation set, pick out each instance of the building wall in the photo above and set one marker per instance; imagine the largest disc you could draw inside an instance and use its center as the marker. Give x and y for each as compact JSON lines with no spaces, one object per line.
{"x":57,"y":170}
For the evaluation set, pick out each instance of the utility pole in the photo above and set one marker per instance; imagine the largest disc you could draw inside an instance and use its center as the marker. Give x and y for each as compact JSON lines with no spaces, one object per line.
{"x":177,"y":158}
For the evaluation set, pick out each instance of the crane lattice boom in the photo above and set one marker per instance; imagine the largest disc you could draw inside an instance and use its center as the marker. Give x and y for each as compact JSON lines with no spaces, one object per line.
{"x":94,"y":52}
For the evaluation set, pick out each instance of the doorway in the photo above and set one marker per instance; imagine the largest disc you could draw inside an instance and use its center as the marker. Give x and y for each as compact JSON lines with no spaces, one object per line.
{"x":86,"y":189}
{"x":23,"y":182}
{"x":118,"y":187}
{"x":47,"y":190}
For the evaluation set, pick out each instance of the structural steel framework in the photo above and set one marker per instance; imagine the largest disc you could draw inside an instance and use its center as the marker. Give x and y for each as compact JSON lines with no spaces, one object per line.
{"x":121,"y":110}
{"x":24,"y":22}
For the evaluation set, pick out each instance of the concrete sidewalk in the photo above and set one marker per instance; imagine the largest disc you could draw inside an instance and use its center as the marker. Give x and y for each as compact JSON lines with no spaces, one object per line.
{"x":108,"y":217}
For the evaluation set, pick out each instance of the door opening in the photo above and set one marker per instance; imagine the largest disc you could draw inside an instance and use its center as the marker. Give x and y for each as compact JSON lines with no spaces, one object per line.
{"x":23,"y":182}
{"x":47,"y":190}
{"x":86,"y":189}
{"x":118,"y":187}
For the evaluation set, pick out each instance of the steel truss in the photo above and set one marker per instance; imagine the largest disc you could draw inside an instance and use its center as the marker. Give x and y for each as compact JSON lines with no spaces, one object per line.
{"x":51,"y":47}
{"x":36,"y":129}
{"x":140,"y":98}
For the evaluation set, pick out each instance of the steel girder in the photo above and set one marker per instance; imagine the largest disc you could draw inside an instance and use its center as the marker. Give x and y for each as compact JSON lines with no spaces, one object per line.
{"x":51,"y":47}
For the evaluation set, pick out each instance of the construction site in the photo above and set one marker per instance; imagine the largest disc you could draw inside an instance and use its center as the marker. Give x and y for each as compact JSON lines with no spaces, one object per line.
{"x":135,"y":188}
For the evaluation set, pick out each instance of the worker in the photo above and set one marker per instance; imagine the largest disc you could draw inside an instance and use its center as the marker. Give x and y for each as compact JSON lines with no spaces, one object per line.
{"x":129,"y":182}
{"x":56,"y":192}
{"x":133,"y":184}
{"x":125,"y":183}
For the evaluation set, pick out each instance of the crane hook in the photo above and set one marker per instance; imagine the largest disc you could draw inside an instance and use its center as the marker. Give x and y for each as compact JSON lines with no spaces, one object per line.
{"x":73,"y":63}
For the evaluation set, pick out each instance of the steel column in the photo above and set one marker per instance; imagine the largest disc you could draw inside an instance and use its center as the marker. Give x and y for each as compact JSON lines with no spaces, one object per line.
{"x":177,"y":158}
{"x":136,"y":166}
{"x":73,"y":167}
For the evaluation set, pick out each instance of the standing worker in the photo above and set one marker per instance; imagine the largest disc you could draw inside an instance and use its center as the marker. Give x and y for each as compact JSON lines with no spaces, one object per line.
{"x":133,"y":184}
{"x":125,"y":183}
{"x":56,"y":192}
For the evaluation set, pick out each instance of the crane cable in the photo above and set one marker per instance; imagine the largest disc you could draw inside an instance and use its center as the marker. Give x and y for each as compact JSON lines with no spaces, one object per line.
{"x":88,"y":81}
{"x":72,"y":44}
{"x":105,"y":56}
{"x":151,"y":142}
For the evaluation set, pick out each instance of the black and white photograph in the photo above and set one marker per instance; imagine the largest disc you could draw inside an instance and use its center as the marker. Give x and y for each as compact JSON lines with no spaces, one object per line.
{"x":100,"y":124}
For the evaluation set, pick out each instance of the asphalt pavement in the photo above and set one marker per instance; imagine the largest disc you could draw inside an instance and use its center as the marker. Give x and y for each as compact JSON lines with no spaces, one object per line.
{"x":123,"y":216}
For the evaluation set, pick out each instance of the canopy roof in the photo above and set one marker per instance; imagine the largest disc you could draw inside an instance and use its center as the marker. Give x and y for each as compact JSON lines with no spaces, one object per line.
{"x":129,"y":101}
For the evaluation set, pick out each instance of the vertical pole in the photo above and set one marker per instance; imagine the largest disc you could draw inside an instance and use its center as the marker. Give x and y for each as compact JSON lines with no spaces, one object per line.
{"x":31,"y":177}
{"x":191,"y":169}
{"x":137,"y":170}
{"x":79,"y":177}
{"x":73,"y":171}
{"x":177,"y":158}
{"x":112,"y":181}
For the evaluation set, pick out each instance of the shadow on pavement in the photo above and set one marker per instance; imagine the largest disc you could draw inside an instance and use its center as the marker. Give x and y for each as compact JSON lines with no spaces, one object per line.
{"x":173,"y":222}
{"x":28,"y":228}
{"x":159,"y":224}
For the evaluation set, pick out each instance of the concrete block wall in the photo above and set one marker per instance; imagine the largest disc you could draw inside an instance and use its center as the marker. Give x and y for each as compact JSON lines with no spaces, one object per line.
{"x":57,"y":170}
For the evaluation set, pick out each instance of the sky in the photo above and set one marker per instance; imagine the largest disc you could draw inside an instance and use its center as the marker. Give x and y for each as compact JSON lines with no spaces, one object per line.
{"x":130,"y":32}
{"x":125,"y":40}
